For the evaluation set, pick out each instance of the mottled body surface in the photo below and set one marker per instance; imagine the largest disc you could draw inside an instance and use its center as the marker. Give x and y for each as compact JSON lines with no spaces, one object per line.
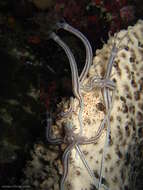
{"x":126,"y":120}
{"x":126,"y":115}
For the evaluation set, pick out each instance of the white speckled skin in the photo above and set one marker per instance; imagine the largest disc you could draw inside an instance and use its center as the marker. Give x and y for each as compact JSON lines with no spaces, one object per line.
{"x":126,"y":114}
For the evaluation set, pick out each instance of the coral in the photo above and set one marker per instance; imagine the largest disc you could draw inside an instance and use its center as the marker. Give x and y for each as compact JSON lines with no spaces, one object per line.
{"x":126,"y":120}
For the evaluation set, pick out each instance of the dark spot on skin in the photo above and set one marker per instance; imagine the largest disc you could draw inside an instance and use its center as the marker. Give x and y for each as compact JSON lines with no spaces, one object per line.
{"x":77,"y":172}
{"x":132,"y":109}
{"x":116,"y":65}
{"x":118,"y":126}
{"x":71,"y":160}
{"x":128,"y":72}
{"x":100,"y":107}
{"x":114,"y":80}
{"x":124,"y":143}
{"x":119,"y":109}
{"x":140,"y":44}
{"x":110,"y":141}
{"x":129,"y":96}
{"x":118,"y":162}
{"x":141,"y":84}
{"x":123,"y":55}
{"x":103,"y":71}
{"x":126,"y":87}
{"x":120,"y":135}
{"x":126,"y":48}
{"x":105,"y":58}
{"x":118,"y":69}
{"x":123,"y":99}
{"x":111,"y":119}
{"x":127,"y":130}
{"x":100,"y":151}
{"x":108,"y":157}
{"x":92,"y":187}
{"x":127,"y":69}
{"x":140,"y":105}
{"x":88,"y":121}
{"x":115,"y":179}
{"x":119,"y":154}
{"x":119,"y":72}
{"x":132,"y":51}
{"x":137,"y":95}
{"x":96,"y":174}
{"x":125,"y":108}
{"x":122,"y":175}
{"x":132,"y":73}
{"x":136,"y":35}
{"x":106,"y":170}
{"x":97,"y":161}
{"x":132,"y":59}
{"x":104,"y":181}
{"x":91,"y":157}
{"x":118,"y":119}
{"x":111,"y":169}
{"x":85,"y":152}
{"x":69,"y":186}
{"x":134,"y":66}
{"x":133,"y":83}
{"x":133,"y":124}
{"x":117,"y":97}
{"x":127,"y":160}
{"x":139,"y":116}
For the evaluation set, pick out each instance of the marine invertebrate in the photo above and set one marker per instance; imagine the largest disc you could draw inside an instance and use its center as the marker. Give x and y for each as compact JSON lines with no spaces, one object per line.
{"x":108,"y":76}
{"x":73,"y":140}
{"x":119,"y":126}
{"x":126,"y":71}
{"x":75,"y":78}
{"x":89,"y":55}
{"x":107,"y":85}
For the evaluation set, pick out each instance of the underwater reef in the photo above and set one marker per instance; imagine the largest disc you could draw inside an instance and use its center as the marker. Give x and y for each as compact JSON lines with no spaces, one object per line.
{"x":98,"y":133}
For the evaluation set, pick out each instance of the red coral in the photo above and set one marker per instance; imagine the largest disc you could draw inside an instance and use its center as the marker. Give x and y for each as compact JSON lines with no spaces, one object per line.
{"x":121,"y":3}
{"x":127,"y":13}
{"x":34,"y":40}
{"x":92,"y":19}
{"x":97,"y":2}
